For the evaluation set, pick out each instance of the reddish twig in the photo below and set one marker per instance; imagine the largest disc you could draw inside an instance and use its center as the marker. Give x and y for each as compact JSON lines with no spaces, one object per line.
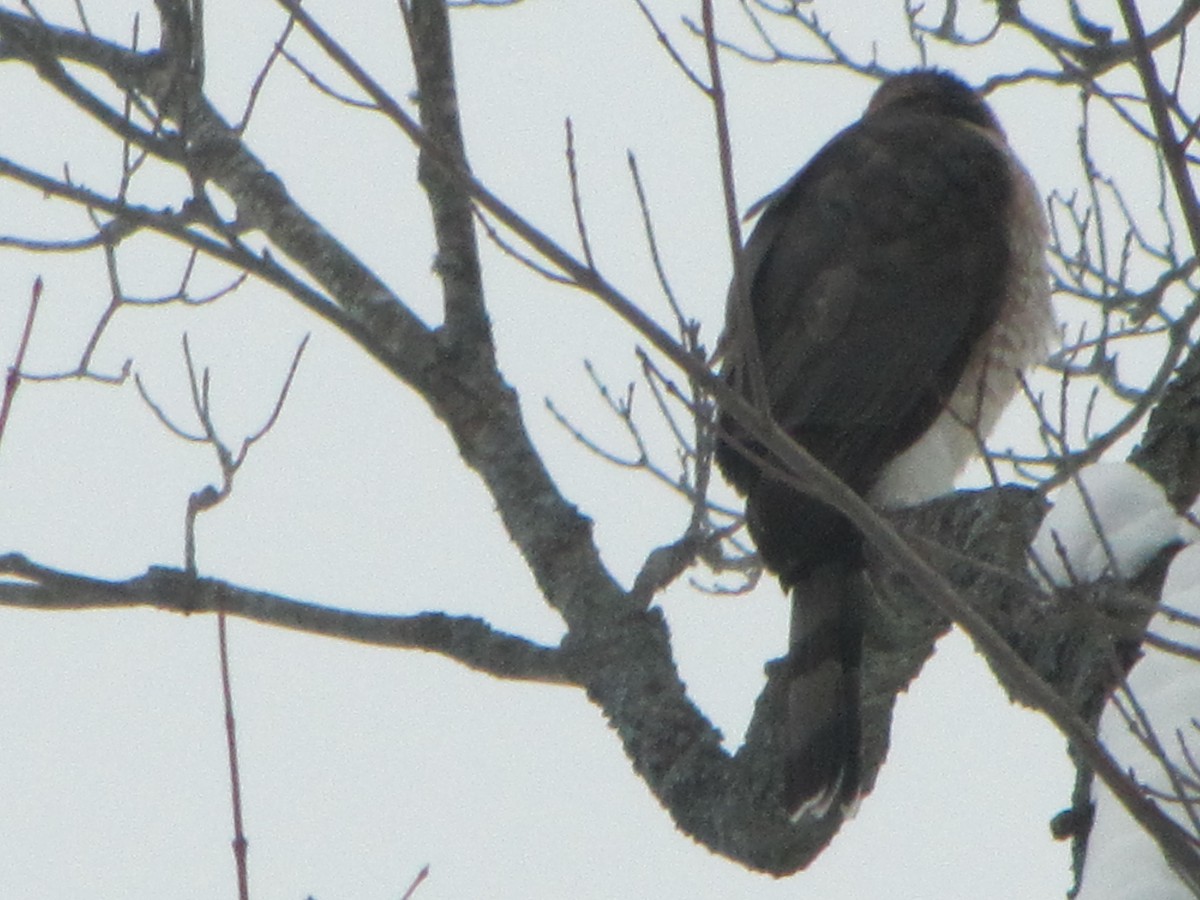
{"x":204,"y":499}
{"x":416,"y":882}
{"x":14,"y":371}
{"x":235,"y":779}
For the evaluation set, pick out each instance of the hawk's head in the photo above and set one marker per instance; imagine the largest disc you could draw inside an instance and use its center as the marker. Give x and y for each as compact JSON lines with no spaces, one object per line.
{"x":936,"y":93}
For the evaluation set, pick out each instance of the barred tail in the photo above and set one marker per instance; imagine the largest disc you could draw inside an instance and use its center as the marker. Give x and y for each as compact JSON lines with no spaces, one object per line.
{"x":822,"y":729}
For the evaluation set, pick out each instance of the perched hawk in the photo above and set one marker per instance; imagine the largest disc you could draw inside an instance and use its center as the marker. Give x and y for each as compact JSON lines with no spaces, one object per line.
{"x":893,"y":290}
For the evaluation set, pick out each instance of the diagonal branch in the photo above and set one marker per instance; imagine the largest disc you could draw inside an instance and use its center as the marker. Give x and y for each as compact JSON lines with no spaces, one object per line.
{"x":216,"y":153}
{"x":12,"y":378}
{"x":1173,"y":150}
{"x":1099,"y":56}
{"x":810,"y":476}
{"x":617,"y":647}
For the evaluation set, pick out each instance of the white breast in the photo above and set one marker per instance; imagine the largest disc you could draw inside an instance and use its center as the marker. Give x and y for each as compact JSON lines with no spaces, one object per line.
{"x":1020,"y":338}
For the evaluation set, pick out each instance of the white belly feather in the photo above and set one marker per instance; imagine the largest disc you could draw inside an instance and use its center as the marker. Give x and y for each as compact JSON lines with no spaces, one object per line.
{"x":1020,"y":338}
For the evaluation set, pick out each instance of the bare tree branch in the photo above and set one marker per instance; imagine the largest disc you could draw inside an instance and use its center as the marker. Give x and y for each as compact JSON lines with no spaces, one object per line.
{"x":466,"y":639}
{"x":616,"y":646}
{"x":12,"y":378}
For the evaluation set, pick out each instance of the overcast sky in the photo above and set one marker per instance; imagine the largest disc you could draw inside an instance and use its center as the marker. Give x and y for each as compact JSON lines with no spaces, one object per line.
{"x":361,"y":765}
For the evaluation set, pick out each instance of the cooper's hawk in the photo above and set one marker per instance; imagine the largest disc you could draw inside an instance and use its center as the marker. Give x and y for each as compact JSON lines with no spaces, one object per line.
{"x":896,"y":286}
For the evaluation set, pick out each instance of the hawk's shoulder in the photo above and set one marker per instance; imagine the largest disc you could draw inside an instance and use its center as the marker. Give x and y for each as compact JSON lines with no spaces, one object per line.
{"x":876,"y":270}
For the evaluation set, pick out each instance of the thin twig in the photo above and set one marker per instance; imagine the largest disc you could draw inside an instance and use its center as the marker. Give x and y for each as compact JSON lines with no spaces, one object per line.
{"x":1172,"y":149}
{"x":741,"y":320}
{"x":240,"y":843}
{"x":652,"y":243}
{"x":421,"y":876}
{"x":674,"y":54}
{"x":13,"y":377}
{"x":261,"y":79}
{"x":576,"y":203}
{"x":1140,"y":724}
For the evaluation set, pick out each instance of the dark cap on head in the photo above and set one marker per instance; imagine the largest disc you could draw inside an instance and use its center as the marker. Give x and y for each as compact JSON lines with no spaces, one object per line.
{"x":933,"y":92}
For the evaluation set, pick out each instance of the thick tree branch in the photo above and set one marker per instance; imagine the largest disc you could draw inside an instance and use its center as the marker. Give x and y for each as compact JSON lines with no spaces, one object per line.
{"x":1170,"y":449}
{"x":816,"y":480}
{"x":467,"y":327}
{"x":214,"y":152}
{"x":465,"y":639}
{"x":616,"y":647}
{"x":1101,"y":54}
{"x":129,"y":218}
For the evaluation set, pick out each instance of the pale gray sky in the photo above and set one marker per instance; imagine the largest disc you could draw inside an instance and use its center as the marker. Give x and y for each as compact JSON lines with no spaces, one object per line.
{"x":361,"y":765}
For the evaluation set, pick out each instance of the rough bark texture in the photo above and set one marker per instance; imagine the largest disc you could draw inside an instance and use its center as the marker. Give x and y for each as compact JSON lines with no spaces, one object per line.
{"x":616,"y":649}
